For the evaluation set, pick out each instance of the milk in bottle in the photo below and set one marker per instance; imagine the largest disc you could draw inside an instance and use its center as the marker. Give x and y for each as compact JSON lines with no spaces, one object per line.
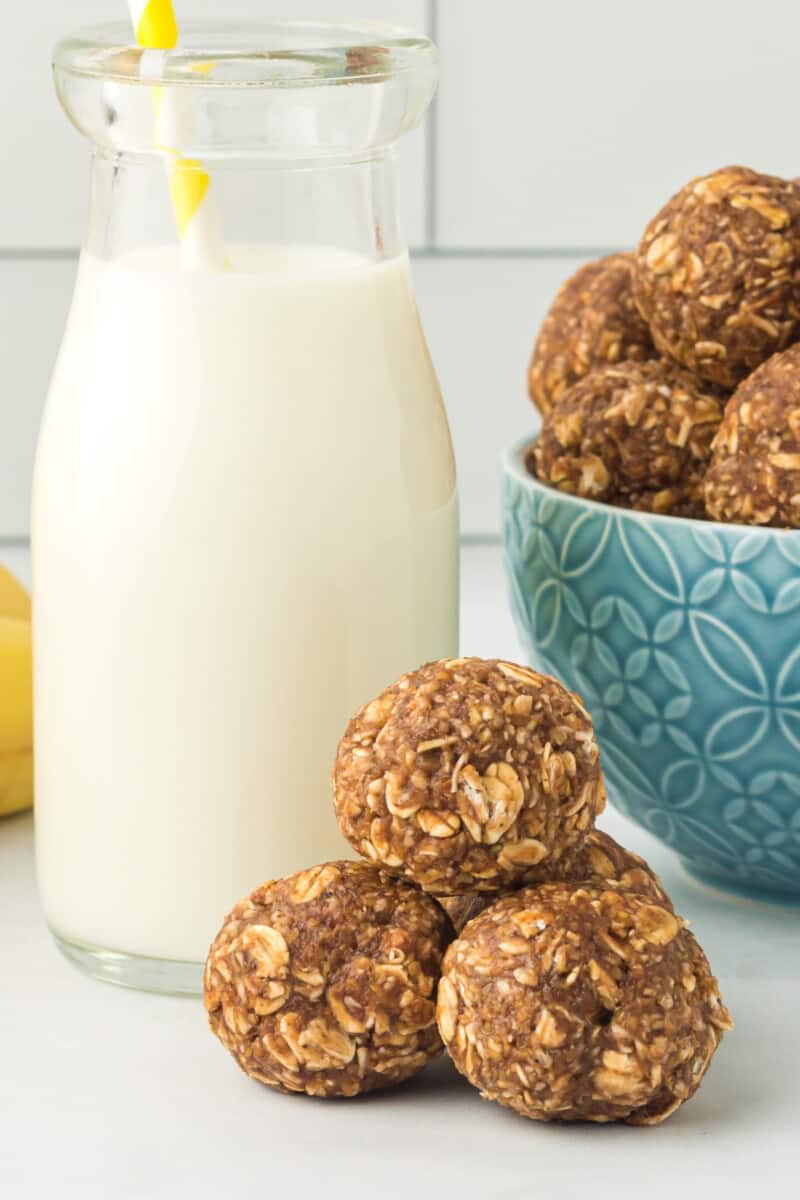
{"x":244,"y":526}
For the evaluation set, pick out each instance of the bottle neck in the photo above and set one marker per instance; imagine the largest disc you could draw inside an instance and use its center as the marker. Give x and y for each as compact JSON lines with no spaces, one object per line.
{"x":342,"y":204}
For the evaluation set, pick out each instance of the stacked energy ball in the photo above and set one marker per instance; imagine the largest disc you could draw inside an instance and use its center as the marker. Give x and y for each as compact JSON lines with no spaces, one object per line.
{"x":668,"y":379}
{"x":488,"y":915}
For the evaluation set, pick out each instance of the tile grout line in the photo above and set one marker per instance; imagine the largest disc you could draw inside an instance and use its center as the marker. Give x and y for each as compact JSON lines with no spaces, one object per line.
{"x":39,"y":253}
{"x":445,"y":253}
{"x":512,"y":252}
{"x":22,"y":541}
{"x":432,"y":142}
{"x":470,"y":540}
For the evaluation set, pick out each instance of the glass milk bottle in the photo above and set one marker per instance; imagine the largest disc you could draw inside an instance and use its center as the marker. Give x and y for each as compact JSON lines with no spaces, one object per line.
{"x":245,"y":515}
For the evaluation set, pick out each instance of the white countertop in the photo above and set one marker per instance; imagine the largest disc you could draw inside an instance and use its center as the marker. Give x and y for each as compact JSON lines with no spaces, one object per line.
{"x":107,"y":1094}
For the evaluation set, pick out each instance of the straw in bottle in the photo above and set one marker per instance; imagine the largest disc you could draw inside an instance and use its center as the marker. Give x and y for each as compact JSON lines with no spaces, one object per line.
{"x":196,"y":217}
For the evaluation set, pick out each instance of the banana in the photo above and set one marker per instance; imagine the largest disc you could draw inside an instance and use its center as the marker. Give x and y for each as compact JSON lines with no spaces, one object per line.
{"x":16,"y":782}
{"x":14,"y":600}
{"x":16,"y":686}
{"x":16,"y":697}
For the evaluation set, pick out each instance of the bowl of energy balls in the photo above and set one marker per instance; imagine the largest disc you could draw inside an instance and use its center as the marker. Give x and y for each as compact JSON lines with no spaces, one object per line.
{"x":487,"y":917}
{"x":652,"y":528}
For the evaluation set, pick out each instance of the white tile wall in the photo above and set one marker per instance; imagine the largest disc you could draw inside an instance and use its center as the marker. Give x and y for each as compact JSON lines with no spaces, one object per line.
{"x":569,"y":122}
{"x":481,"y":315}
{"x":560,"y":126}
{"x":34,"y":296}
{"x":43,"y":197}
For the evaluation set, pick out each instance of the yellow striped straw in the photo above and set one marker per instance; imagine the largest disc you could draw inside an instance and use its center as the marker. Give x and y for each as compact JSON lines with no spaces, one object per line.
{"x":196,"y":218}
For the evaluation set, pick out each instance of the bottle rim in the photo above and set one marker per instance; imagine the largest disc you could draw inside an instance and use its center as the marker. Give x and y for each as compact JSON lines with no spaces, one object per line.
{"x":250,"y":54}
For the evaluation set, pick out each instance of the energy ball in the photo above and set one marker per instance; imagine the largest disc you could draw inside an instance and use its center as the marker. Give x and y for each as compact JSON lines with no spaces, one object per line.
{"x":593,"y":320}
{"x":604,"y":863}
{"x":469,"y":776}
{"x":601,"y":861}
{"x":580,"y":1003}
{"x":637,"y":435}
{"x":717,"y":273}
{"x":754,"y":477}
{"x":324,"y":982}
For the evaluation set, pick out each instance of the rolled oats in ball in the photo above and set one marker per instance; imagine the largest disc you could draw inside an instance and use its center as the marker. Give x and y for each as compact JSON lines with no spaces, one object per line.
{"x":600,"y":861}
{"x":593,"y":321}
{"x":717,"y":273}
{"x":568,"y":1003}
{"x":324,"y":982}
{"x":637,"y":435}
{"x":469,"y":775}
{"x":604,"y":863}
{"x":754,"y":476}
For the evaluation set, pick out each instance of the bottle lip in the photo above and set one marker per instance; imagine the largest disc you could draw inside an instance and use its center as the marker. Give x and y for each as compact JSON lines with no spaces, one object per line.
{"x":250,"y":54}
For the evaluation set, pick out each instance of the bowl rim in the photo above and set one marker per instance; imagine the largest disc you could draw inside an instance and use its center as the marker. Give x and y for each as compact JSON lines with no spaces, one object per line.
{"x":513,"y":465}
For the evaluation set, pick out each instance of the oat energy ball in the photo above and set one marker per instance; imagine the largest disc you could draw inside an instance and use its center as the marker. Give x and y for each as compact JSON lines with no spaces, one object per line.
{"x":324,"y":982}
{"x":469,"y":775}
{"x":754,"y":477}
{"x":601,"y":861}
{"x":717,"y":273}
{"x":604,"y":863}
{"x":580,"y":1003}
{"x":593,"y":320}
{"x":637,"y":435}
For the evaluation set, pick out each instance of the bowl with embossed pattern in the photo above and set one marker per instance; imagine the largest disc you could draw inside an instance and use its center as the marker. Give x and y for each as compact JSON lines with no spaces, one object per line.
{"x":683,"y":639}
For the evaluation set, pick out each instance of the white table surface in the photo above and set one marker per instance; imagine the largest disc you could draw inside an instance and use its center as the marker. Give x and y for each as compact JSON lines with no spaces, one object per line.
{"x":107,"y":1093}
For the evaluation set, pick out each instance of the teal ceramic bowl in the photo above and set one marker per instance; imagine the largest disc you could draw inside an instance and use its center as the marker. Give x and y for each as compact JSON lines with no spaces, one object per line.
{"x":683,"y":638}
